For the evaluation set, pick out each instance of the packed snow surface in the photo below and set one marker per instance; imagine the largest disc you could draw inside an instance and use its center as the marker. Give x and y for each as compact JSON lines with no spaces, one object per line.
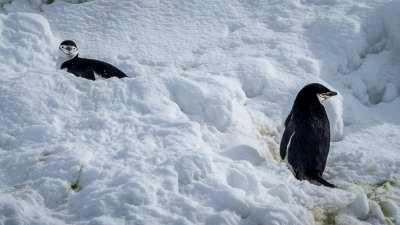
{"x":192,"y":136}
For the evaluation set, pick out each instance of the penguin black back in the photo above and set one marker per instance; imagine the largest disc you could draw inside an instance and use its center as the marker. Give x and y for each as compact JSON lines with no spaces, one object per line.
{"x":86,"y":68}
{"x":91,"y":69}
{"x":306,"y":139}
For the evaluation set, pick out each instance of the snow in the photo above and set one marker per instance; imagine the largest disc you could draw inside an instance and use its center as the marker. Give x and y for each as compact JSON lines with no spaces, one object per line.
{"x":192,"y":136}
{"x":360,"y":207}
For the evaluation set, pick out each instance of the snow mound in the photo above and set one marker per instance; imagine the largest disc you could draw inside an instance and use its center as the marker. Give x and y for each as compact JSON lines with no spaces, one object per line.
{"x":205,"y":101}
{"x":360,"y":207}
{"x":33,"y":40}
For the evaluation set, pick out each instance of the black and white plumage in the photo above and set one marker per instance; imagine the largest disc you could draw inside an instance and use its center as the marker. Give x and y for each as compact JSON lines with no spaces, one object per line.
{"x":81,"y":67}
{"x":306,"y":139}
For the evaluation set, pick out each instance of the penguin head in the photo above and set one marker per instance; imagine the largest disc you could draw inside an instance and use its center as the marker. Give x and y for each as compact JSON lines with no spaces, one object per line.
{"x":67,"y":50}
{"x":313,"y":92}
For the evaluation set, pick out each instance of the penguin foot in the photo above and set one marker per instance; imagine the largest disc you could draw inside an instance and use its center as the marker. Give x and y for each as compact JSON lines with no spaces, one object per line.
{"x":314,"y":179}
{"x":321,"y":181}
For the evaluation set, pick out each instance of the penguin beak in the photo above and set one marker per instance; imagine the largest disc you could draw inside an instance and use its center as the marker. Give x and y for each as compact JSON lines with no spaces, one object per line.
{"x":328,"y":95}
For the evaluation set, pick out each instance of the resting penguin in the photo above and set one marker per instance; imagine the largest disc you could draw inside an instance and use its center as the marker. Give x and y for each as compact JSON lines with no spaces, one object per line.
{"x":86,"y":68}
{"x":305,"y":141}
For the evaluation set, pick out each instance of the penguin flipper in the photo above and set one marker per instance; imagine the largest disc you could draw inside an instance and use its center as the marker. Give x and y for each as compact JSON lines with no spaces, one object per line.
{"x":287,"y":134}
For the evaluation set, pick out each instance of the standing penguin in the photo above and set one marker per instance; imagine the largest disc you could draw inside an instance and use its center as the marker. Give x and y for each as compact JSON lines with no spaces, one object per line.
{"x":305,"y":141}
{"x":86,"y":68}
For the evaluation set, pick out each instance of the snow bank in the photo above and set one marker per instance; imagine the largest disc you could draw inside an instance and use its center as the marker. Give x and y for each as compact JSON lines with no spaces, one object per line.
{"x":192,"y":136}
{"x":371,"y":60}
{"x":382,"y":82}
{"x":133,"y":144}
{"x":27,"y":41}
